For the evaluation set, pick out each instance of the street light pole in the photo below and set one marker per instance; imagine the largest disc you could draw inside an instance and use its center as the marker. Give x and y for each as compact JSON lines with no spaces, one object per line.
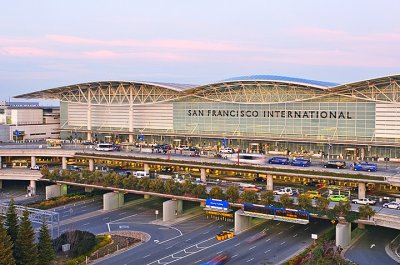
{"x":238,"y":161}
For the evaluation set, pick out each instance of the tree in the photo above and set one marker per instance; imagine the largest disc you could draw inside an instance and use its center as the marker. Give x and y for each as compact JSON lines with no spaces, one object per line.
{"x":12,"y":221}
{"x":169,"y":186}
{"x":188,"y":187}
{"x":267,"y":197}
{"x":46,"y":252}
{"x":200,"y":191}
{"x":305,"y":202}
{"x":232,"y":194}
{"x":249,"y":196}
{"x":157,"y":185}
{"x":286,"y":200}
{"x":25,"y":250}
{"x":6,"y":247}
{"x":216,"y":193}
{"x":144,"y":183}
{"x":366,"y":211}
{"x":341,"y":210}
{"x":321,"y":204}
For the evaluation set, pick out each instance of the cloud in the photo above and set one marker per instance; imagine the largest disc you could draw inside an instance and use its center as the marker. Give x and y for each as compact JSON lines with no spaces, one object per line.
{"x":26,"y":52}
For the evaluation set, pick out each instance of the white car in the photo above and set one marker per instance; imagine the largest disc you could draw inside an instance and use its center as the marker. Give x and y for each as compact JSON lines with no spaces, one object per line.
{"x":392,"y":205}
{"x":287,"y":190}
{"x":36,"y":167}
{"x":227,"y":150}
{"x":364,"y":201}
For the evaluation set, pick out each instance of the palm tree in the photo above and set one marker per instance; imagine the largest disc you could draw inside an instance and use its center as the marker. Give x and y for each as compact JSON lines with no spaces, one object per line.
{"x":157,"y":185}
{"x":305,"y":202}
{"x":366,"y":212}
{"x":321,"y":204}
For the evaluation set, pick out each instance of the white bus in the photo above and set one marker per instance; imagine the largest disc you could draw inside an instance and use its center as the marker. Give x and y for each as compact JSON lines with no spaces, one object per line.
{"x":104,"y":147}
{"x":257,"y":159}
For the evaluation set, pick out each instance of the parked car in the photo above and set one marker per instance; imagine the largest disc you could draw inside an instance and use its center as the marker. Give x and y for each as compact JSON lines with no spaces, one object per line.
{"x":364,"y":166}
{"x":35,"y":167}
{"x":183,"y":147}
{"x":335,"y":164}
{"x":312,"y":194}
{"x":75,"y":168}
{"x":279,"y":160}
{"x":315,"y":184}
{"x":255,"y":188}
{"x":286,"y":190}
{"x":300,"y":162}
{"x":392,"y":205}
{"x":364,"y":201}
{"x":338,"y":198}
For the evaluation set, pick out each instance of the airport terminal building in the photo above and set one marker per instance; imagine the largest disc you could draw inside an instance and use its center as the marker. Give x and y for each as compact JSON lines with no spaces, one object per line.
{"x":262,"y":113}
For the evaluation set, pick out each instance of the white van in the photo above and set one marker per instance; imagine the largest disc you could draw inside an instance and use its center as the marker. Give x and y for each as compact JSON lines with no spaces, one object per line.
{"x":141,"y":174}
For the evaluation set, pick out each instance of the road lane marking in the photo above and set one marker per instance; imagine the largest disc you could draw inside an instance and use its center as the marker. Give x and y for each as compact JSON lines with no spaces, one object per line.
{"x":219,"y":252}
{"x":206,"y":232}
{"x":234,"y":255}
{"x":188,"y":240}
{"x":198,"y":261}
{"x":283,"y":243}
{"x":268,"y":240}
{"x":105,"y":218}
{"x":306,"y":228}
{"x":146,"y":256}
{"x":252,"y":248}
{"x":250,"y":260}
{"x":86,"y":224}
{"x":237,"y":244}
{"x":280,"y":232}
{"x":295,"y":235}
{"x":122,"y":213}
{"x":291,"y":226}
{"x":123,"y":218}
{"x":267,"y":251}
{"x":278,"y":224}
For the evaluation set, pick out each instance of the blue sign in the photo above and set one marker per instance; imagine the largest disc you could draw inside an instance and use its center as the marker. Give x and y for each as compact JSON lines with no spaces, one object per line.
{"x":141,"y":137}
{"x":17,"y":133}
{"x":220,"y":204}
{"x":224,"y":142}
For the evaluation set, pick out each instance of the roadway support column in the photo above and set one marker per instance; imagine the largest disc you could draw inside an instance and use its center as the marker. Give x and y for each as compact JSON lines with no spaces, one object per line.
{"x":57,"y":190}
{"x":242,"y":222}
{"x":64,"y":162}
{"x":203,"y":176}
{"x":1,"y":184}
{"x":361,"y":190}
{"x":343,"y":234}
{"x":270,"y":182}
{"x":91,"y":164}
{"x":170,"y":210}
{"x":1,"y":165}
{"x":32,"y":186}
{"x":113,"y":200}
{"x":179,"y":206}
{"x":131,"y":138}
{"x":146,"y":167}
{"x":33,"y":161}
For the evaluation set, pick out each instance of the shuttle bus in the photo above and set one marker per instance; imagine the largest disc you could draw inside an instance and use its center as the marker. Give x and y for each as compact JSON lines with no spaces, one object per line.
{"x":104,"y":147}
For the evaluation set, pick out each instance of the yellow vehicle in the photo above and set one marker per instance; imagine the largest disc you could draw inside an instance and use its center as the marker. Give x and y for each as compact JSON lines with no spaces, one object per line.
{"x":312,"y":194}
{"x":224,"y":235}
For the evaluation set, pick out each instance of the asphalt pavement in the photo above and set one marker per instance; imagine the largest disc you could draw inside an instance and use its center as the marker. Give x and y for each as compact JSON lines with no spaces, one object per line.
{"x":370,"y":248}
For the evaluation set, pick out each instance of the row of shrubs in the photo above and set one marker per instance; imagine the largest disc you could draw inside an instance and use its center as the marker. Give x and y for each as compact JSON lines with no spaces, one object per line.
{"x":59,"y":201}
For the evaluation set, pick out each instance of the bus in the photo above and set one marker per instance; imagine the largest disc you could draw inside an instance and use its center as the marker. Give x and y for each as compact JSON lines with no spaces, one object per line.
{"x":54,"y":143}
{"x":105,"y":147}
{"x":257,"y":159}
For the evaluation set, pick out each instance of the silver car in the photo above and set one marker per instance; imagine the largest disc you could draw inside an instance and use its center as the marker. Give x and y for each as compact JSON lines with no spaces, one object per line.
{"x":392,"y":205}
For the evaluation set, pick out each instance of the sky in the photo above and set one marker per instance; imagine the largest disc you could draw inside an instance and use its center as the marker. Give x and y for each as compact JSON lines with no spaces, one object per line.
{"x":46,"y":44}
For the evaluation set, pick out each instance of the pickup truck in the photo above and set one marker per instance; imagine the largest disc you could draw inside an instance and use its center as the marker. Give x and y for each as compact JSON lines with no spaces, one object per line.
{"x":364,"y":201}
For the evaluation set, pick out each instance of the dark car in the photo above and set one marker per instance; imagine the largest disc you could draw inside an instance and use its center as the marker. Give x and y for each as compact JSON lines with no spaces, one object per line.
{"x":194,"y":149}
{"x":167,"y":170}
{"x":278,"y":160}
{"x":335,"y":164}
{"x":300,"y":162}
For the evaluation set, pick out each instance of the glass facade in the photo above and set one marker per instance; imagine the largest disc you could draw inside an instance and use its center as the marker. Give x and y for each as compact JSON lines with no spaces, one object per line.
{"x":318,"y":120}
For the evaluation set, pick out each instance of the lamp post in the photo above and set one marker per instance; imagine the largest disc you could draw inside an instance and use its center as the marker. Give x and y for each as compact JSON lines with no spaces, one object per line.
{"x":238,"y":156}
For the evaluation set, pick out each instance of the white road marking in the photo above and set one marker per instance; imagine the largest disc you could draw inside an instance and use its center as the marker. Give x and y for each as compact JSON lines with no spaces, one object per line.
{"x":291,"y":226}
{"x":198,"y":261}
{"x":234,"y":255}
{"x":206,"y":232}
{"x":283,"y":243}
{"x":86,"y":224}
{"x":219,"y":252}
{"x":188,"y":240}
{"x":250,"y":260}
{"x":295,"y":235}
{"x":123,"y":218}
{"x":278,"y":223}
{"x":122,"y":213}
{"x":220,"y":226}
{"x":268,"y":240}
{"x":306,"y":228}
{"x":146,"y":256}
{"x":280,"y":232}
{"x":237,"y":244}
{"x":267,"y":251}
{"x":105,"y":218}
{"x":252,"y":248}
